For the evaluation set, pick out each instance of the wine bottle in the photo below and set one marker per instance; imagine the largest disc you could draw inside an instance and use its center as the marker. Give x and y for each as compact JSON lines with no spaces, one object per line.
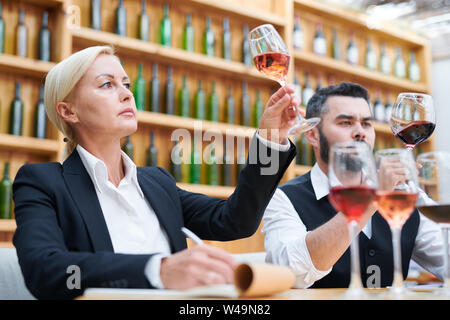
{"x":226,"y":169}
{"x":413,"y":68}
{"x":199,"y":103}
{"x":2,"y":30}
{"x":352,"y":51}
{"x":44,"y":39}
{"x":319,"y":44}
{"x":240,"y":161}
{"x":399,"y":64}
{"x":139,"y":89}
{"x":213,"y":104}
{"x":185,"y":161}
{"x":318,"y":83}
{"x":245,"y":106}
{"x":5,"y":194}
{"x":154,"y":94}
{"x":16,"y":113}
{"x":21,"y":35}
{"x":371,"y":56}
{"x":143,"y":23}
{"x":226,"y":40}
{"x":208,"y":39}
{"x":388,"y":110}
{"x":212,"y":168}
{"x":169,"y":89}
{"x":152,"y":152}
{"x":196,"y":160}
{"x":385,"y":62}
{"x":41,"y":116}
{"x":229,"y":106}
{"x":176,"y":162}
{"x":336,"y":46}
{"x":166,"y":28}
{"x":128,"y":148}
{"x":379,"y":109}
{"x":297,"y":86}
{"x":188,"y":34}
{"x":184,"y":97}
{"x":298,"y":145}
{"x":304,"y":156}
{"x":246,"y":56}
{"x":308,"y":91}
{"x":258,"y":109}
{"x":121,"y":19}
{"x":96,"y":18}
{"x":297,"y":35}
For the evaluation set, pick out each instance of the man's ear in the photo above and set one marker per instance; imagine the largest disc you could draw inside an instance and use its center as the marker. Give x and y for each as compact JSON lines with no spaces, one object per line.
{"x":66,"y":112}
{"x":313,"y":137}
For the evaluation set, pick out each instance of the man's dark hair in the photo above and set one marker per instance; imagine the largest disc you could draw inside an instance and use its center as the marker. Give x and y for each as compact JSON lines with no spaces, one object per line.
{"x":316,"y":105}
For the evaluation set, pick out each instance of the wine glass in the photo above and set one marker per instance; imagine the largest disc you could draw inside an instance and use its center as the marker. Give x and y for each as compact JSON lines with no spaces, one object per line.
{"x":353,"y":181}
{"x":413,"y":118}
{"x":396,"y":200}
{"x":271,"y":58}
{"x":434,"y":202}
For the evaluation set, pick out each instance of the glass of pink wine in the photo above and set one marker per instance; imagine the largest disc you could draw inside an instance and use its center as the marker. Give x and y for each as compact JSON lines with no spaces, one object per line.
{"x":413,"y":118}
{"x":434,"y":201}
{"x":271,"y":58}
{"x":353,"y":181}
{"x":396,"y":199}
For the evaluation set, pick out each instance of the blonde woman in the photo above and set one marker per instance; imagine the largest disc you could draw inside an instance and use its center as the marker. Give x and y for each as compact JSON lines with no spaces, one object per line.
{"x":100,"y":218}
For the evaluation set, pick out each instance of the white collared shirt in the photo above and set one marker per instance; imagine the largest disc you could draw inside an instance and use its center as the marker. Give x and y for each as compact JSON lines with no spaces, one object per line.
{"x":285,"y":237}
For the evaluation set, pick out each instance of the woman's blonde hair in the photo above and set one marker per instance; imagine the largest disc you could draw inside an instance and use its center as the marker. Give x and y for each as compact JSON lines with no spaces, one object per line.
{"x":60,"y":82}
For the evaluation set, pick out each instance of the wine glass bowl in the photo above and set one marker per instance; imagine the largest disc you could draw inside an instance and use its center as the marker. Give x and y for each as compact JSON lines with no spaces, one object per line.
{"x":413,"y":118}
{"x":271,"y":58}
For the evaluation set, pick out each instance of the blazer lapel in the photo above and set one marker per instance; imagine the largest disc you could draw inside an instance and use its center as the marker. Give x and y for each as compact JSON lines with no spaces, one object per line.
{"x":163,"y":206}
{"x":83,"y":192}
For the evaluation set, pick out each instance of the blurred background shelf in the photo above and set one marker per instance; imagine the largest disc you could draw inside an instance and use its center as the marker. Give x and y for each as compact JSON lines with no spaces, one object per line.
{"x":212,"y":191}
{"x":24,"y":66}
{"x":8,"y":225}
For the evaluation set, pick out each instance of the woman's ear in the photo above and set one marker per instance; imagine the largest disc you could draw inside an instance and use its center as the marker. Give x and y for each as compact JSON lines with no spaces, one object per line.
{"x":66,"y":112}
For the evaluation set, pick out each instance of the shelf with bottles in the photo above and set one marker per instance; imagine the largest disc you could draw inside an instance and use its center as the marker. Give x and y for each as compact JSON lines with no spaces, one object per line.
{"x":24,"y":66}
{"x":29,"y":144}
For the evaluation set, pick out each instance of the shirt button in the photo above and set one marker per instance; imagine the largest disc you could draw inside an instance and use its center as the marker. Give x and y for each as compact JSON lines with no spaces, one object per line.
{"x":372,"y":252}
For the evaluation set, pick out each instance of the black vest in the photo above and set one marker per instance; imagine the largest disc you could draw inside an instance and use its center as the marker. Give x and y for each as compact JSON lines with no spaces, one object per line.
{"x":374,"y":251}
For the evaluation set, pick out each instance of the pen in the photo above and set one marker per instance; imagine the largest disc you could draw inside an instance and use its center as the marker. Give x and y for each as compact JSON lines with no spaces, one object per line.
{"x":191,"y":235}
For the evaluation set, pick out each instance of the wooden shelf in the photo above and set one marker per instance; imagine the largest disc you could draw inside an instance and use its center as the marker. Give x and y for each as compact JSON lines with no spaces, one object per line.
{"x":24,"y":66}
{"x":212,"y":191}
{"x":358,"y":72}
{"x":174,"y":56}
{"x":175,"y":122}
{"x":300,"y":170}
{"x":6,"y":244}
{"x":29,"y":144}
{"x":45,"y":3}
{"x":8,"y":225}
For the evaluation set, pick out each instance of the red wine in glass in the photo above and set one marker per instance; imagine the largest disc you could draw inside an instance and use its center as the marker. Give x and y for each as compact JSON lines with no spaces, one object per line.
{"x":352,"y":201}
{"x":415,"y":133}
{"x":274,"y":65}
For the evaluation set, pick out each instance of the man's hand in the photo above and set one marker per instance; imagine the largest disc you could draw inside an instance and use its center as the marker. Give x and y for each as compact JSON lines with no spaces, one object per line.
{"x":391,"y":173}
{"x":198,"y":266}
{"x":280,"y":114}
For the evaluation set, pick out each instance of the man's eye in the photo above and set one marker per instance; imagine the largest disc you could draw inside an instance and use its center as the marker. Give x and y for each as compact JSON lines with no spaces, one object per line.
{"x":345,"y":123}
{"x":367,"y":124}
{"x":127,"y":85}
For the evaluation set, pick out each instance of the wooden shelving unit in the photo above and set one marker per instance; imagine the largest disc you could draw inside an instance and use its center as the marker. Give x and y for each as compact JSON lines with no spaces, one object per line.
{"x":212,"y":191}
{"x":7,"y":225}
{"x":29,"y":144}
{"x":24,"y":66}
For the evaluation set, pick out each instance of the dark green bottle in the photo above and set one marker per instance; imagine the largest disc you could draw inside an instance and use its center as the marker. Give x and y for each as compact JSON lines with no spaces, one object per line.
{"x":169,"y":90}
{"x":2,"y":31}
{"x":44,"y":39}
{"x":41,"y":116}
{"x":143,"y":22}
{"x":226,"y":169}
{"x":208,"y":39}
{"x":154,"y":93}
{"x":258,"y":109}
{"x":5,"y":194}
{"x":176,"y":162}
{"x":188,"y":34}
{"x":199,"y":103}
{"x":139,"y":89}
{"x":121,"y":19}
{"x":212,"y":168}
{"x":184,"y":97}
{"x":240,"y":161}
{"x":96,"y":17}
{"x":245,"y":106}
{"x":304,"y":156}
{"x":128,"y":148}
{"x":298,"y":145}
{"x":229,"y":106}
{"x":152,"y":152}
{"x":336,"y":46}
{"x":21,"y":36}
{"x":16,"y":113}
{"x":226,"y":43}
{"x":196,"y":166}
{"x":213,"y":104}
{"x":166,"y":28}
{"x":246,"y":56}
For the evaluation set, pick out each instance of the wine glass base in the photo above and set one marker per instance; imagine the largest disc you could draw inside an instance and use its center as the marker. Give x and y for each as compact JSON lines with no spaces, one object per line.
{"x":303,"y":125}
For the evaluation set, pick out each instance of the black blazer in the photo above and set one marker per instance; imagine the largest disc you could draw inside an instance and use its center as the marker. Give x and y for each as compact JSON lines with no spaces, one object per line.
{"x":60,"y":222}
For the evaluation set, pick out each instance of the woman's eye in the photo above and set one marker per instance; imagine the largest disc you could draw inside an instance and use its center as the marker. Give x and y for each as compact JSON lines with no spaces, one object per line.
{"x":106,"y":85}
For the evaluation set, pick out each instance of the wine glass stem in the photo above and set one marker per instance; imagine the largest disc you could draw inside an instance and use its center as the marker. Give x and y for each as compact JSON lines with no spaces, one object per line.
{"x":446,"y":275}
{"x":396,"y":245}
{"x":355,"y":276}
